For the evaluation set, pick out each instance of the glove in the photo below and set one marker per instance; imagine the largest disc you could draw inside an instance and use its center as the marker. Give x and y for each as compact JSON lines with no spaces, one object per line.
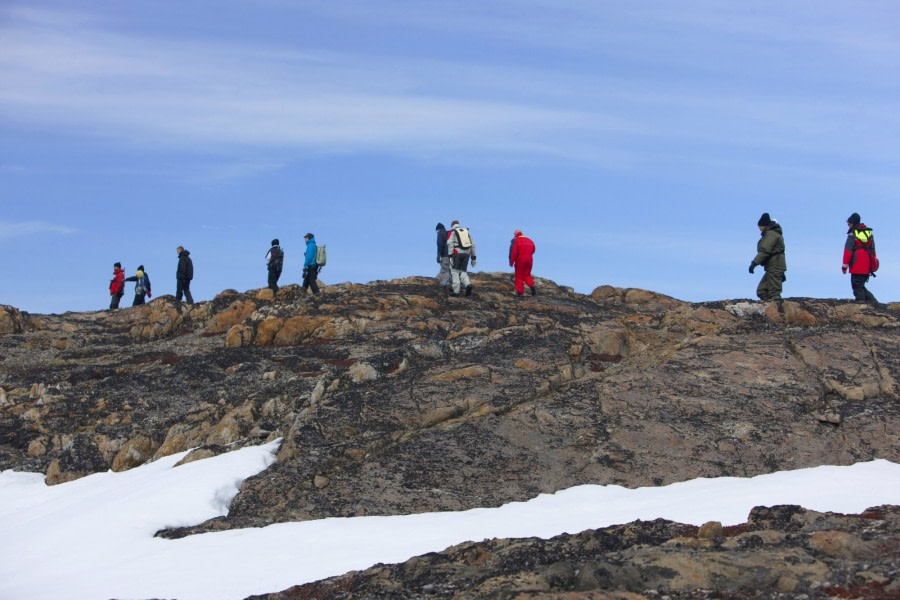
{"x":473,"y":261}
{"x":844,"y":269}
{"x":149,"y":295}
{"x":752,"y":266}
{"x":439,"y":260}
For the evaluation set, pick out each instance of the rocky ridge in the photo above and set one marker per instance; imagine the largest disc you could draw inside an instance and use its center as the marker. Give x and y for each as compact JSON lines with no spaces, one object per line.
{"x":393,"y":398}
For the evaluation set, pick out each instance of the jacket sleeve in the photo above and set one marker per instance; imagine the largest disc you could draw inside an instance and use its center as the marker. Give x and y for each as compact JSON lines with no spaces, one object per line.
{"x":132,"y":278}
{"x":309,"y":259}
{"x":849,"y":247}
{"x":441,"y":243}
{"x":147,"y":281}
{"x":513,"y":251}
{"x":472,"y":249}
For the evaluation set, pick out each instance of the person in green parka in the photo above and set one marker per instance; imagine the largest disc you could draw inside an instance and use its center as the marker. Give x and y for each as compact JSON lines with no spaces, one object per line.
{"x":770,"y":254}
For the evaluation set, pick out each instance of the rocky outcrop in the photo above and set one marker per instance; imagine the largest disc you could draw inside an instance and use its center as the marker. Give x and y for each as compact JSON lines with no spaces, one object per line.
{"x":393,"y":398}
{"x":780,"y":552}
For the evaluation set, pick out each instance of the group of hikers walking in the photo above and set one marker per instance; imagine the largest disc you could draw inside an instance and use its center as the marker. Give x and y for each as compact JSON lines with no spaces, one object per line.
{"x":313,"y":261}
{"x":456,"y":249}
{"x":859,"y":258}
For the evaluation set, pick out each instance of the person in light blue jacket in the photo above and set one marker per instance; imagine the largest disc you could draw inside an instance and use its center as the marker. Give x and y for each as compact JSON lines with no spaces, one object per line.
{"x":310,"y":268}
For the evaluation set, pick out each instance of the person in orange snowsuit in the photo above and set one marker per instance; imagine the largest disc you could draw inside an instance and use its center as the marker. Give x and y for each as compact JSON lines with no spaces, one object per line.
{"x":521,"y":251}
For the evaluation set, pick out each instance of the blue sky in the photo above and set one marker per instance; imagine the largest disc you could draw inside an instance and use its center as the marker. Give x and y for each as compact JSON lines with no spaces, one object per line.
{"x":637,"y":143}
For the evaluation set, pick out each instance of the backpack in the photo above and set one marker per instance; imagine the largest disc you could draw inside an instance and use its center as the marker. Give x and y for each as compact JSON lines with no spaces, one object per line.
{"x":141,"y":286}
{"x":276,"y":258}
{"x":865,"y":243}
{"x":321,"y":256}
{"x":462,"y":238}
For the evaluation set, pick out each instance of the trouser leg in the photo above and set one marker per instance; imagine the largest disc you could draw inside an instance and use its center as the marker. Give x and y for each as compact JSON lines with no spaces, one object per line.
{"x":138,"y":299}
{"x":273,"y":280}
{"x":770,"y":286}
{"x":184,"y":287}
{"x":444,"y":274}
{"x":309,"y":279}
{"x":114,"y":301}
{"x":860,"y":292}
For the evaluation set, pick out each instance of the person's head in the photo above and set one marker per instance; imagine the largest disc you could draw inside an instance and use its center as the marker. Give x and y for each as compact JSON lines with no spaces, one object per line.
{"x":454,"y":223}
{"x":517,"y":233}
{"x":308,"y":236}
{"x":117,"y":265}
{"x":439,"y":226}
{"x":275,"y":242}
{"x":854,"y":220}
{"x":141,"y":268}
{"x":179,"y":249}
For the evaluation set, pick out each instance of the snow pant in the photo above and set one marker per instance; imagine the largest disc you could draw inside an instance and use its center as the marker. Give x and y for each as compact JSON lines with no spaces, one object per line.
{"x":860,"y":293}
{"x":183,"y":286}
{"x":114,"y":301}
{"x":310,"y":274}
{"x":443,"y":275}
{"x":523,"y":275}
{"x":769,"y":287}
{"x":459,"y":278}
{"x":138,"y":299}
{"x":273,"y":279}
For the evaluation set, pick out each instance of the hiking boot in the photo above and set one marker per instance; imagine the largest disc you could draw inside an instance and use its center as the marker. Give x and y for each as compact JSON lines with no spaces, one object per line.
{"x":533,"y":290}
{"x":468,"y":290}
{"x":454,"y":295}
{"x":520,"y":294}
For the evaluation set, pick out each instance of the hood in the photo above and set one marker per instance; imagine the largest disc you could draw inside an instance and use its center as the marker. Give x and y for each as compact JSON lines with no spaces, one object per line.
{"x":774,"y":226}
{"x":440,"y":227}
{"x":185,"y":253}
{"x":860,"y":227}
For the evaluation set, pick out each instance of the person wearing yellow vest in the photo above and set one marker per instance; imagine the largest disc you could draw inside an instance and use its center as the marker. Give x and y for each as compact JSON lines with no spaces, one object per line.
{"x":859,"y":258}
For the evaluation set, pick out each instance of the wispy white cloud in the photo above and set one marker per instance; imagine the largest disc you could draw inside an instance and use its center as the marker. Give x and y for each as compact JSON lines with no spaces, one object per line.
{"x":79,"y":74}
{"x":9,"y":231}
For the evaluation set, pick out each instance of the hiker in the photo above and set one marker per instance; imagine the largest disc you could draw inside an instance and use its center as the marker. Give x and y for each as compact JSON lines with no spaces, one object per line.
{"x":183,"y":276}
{"x":141,"y":286}
{"x":460,"y":247}
{"x":859,"y":258}
{"x":770,"y":254}
{"x":443,"y":258}
{"x":116,"y":286}
{"x":310,"y":267}
{"x":274,"y":262}
{"x":521,"y":251}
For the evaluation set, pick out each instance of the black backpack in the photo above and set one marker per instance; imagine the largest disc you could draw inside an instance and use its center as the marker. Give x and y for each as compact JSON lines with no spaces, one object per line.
{"x":276,"y":258}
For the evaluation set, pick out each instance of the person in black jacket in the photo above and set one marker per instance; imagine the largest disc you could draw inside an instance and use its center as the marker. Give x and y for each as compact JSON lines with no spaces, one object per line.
{"x":274,"y":262}
{"x":443,"y":257}
{"x":183,"y":276}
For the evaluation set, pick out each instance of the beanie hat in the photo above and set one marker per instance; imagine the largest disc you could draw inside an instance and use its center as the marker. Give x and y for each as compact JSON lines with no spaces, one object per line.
{"x":454,"y":222}
{"x":275,"y":242}
{"x":517,"y":232}
{"x":118,"y":265}
{"x":765,"y":220}
{"x":854,"y":219}
{"x":439,"y":226}
{"x":308,"y":236}
{"x":141,"y":268}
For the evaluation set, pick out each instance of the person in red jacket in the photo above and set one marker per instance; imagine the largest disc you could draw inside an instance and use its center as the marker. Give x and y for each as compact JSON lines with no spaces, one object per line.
{"x":116,"y":286}
{"x":859,"y":258}
{"x":521,"y":251}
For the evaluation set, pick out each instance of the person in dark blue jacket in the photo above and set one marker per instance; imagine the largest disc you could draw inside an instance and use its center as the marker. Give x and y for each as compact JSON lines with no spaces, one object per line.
{"x":141,"y":286}
{"x":310,"y":268}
